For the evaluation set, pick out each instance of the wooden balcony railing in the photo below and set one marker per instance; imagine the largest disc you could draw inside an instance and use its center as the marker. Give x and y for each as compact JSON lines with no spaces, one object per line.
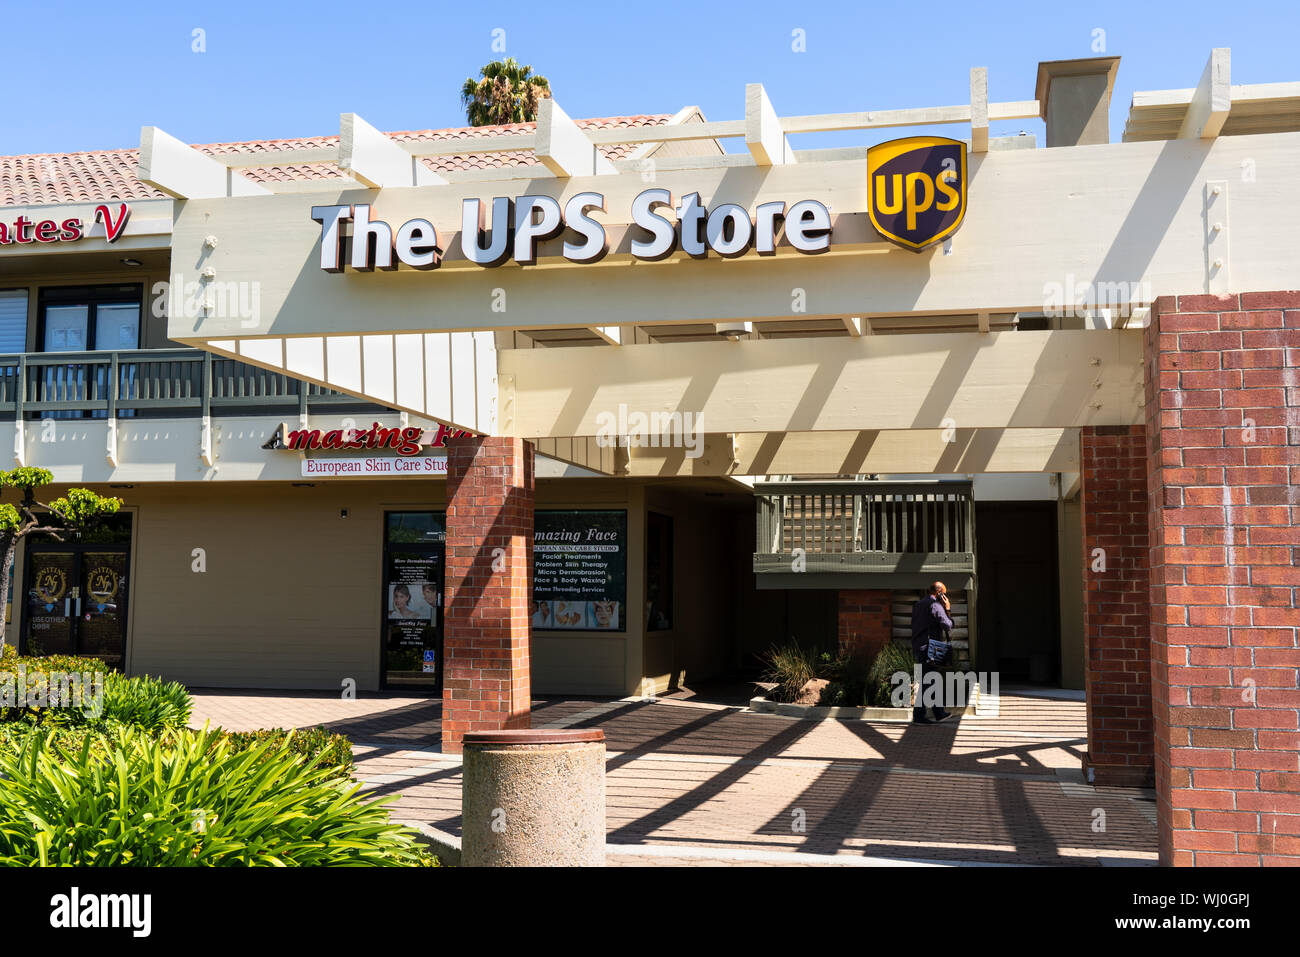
{"x":883,"y":528}
{"x":151,"y":383}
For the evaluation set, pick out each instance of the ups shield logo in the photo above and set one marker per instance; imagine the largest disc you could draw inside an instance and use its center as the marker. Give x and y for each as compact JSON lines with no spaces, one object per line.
{"x":917,"y":189}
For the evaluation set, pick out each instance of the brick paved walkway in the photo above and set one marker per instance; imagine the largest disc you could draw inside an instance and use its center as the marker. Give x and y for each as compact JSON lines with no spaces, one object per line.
{"x":699,"y":783}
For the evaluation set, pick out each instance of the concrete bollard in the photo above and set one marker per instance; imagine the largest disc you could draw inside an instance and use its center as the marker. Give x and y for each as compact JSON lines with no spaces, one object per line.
{"x":533,"y":798}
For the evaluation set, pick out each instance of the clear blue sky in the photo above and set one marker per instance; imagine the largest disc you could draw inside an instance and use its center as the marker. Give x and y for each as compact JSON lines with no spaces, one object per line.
{"x":274,"y":70}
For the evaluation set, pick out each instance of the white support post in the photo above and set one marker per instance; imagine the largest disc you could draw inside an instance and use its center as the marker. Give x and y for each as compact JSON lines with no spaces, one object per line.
{"x":205,"y":441}
{"x":1212,"y":100}
{"x":20,"y":442}
{"x":370,"y":157}
{"x":563,"y":148}
{"x":979,"y":109}
{"x":111,"y":446}
{"x":856,"y":326}
{"x":183,"y":172}
{"x":763,"y":132}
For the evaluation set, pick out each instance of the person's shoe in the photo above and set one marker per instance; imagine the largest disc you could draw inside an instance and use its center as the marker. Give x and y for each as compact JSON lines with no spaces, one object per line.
{"x":943,"y":717}
{"x":921,"y":719}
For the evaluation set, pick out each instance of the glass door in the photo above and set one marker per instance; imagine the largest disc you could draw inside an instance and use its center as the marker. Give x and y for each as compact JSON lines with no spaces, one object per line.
{"x":51,"y":622}
{"x":101,"y":623}
{"x":77,"y":594}
{"x":414,"y":553}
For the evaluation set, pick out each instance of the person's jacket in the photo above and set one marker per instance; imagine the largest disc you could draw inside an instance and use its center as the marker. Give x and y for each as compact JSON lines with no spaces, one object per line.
{"x":929,"y":620}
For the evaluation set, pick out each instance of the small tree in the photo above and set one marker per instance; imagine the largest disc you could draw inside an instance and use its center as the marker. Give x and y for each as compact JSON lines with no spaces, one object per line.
{"x":79,"y":509}
{"x":505,"y":92}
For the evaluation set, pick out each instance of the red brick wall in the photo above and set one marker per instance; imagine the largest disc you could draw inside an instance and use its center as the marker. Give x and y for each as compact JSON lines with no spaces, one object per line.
{"x":486,"y":636}
{"x":1116,"y":622}
{"x":865,"y":620}
{"x":1224,"y":438}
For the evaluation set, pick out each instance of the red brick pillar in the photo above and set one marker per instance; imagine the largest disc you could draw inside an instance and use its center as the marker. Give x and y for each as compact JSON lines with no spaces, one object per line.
{"x":1223,"y":424}
{"x":1116,"y":595}
{"x":865,"y":621}
{"x":489,"y":573}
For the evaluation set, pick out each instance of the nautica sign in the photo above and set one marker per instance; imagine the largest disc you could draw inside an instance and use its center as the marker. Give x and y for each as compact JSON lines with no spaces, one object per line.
{"x":514,"y":228}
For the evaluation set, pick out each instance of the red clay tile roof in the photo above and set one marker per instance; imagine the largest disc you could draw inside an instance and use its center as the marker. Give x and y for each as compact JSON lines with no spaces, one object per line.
{"x":110,"y":174}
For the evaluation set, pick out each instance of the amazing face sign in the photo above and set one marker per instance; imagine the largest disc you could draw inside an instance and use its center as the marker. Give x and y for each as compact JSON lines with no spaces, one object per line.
{"x":917,"y":189}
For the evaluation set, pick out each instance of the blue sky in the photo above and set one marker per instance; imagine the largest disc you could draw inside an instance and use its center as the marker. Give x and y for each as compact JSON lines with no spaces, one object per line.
{"x":274,"y":70}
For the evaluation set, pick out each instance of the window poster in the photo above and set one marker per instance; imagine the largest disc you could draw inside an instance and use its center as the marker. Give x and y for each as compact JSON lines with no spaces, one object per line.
{"x":580,"y":570}
{"x":413,"y":590}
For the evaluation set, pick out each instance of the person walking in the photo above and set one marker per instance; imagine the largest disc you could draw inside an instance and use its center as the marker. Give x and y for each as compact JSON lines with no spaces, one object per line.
{"x":930,"y":620}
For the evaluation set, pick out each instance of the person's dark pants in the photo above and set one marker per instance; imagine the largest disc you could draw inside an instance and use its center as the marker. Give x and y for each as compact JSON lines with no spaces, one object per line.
{"x":918,"y":712}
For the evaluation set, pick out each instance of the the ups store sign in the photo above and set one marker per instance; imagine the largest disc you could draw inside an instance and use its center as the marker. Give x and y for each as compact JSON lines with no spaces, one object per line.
{"x":917,"y":189}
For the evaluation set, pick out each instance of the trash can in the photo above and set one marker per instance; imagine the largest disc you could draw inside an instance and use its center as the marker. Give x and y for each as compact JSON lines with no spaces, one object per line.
{"x":533,"y":798}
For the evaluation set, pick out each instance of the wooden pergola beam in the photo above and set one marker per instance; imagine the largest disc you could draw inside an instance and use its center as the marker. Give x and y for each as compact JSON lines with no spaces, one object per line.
{"x":1211,"y":101}
{"x":1012,"y":379}
{"x":372,"y":158}
{"x":182,"y":172}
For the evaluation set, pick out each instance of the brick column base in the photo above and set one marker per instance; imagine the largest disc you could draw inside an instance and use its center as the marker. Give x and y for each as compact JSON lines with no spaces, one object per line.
{"x":865,"y":621}
{"x":1116,"y":595}
{"x":489,"y":576}
{"x":1223,"y":426}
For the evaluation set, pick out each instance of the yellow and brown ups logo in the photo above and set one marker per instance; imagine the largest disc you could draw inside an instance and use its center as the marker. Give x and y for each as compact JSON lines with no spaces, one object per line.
{"x":916,"y":189}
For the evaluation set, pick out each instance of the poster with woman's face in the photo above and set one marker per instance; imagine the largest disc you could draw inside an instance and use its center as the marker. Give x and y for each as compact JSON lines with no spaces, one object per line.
{"x":414,"y":602}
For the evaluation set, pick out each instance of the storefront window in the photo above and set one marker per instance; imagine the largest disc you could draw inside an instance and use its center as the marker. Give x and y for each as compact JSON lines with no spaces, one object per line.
{"x":580,"y":570}
{"x":659,"y":572}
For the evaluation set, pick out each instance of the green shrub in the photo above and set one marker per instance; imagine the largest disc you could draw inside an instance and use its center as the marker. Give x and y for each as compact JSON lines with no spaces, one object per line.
{"x":331,"y":749}
{"x":791,"y":667}
{"x":33,"y":670}
{"x":186,"y":798}
{"x":142,"y":701}
{"x":891,"y":659}
{"x":833,"y":696}
{"x":146,"y":702}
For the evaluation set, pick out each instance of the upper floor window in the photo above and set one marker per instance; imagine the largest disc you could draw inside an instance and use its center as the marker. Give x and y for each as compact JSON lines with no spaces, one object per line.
{"x":89,"y":318}
{"x":13,"y":321}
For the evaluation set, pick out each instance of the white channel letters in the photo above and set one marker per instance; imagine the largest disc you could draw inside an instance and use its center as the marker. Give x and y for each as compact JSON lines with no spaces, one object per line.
{"x":496,"y":231}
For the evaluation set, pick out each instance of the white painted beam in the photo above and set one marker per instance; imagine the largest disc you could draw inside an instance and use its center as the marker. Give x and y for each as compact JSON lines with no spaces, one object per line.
{"x":611,"y":334}
{"x":563,"y":148}
{"x":919,"y":116}
{"x":1047,"y":379}
{"x":979,"y":109}
{"x":447,"y":377}
{"x":764,"y":134}
{"x":909,"y":451}
{"x":307,"y":156}
{"x":460,"y":146}
{"x":183,"y":172}
{"x":370,"y":157}
{"x":1211,"y":101}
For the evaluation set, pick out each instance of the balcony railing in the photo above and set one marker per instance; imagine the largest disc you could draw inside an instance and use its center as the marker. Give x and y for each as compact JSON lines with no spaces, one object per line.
{"x":877,"y":528}
{"x":151,"y":383}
